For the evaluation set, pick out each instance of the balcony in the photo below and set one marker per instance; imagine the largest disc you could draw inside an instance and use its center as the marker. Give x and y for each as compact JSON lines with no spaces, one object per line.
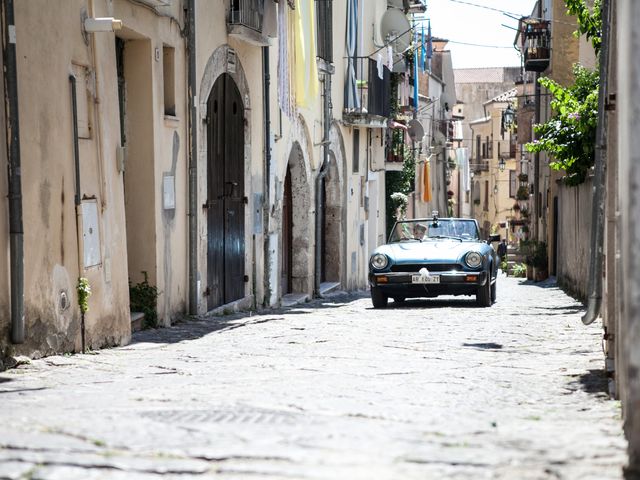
{"x":367,"y":100}
{"x":537,"y":45}
{"x":246,"y":21}
{"x":479,"y":165}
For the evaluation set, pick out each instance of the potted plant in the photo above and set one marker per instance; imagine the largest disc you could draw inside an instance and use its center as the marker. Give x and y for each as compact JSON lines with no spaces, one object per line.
{"x":538,"y":259}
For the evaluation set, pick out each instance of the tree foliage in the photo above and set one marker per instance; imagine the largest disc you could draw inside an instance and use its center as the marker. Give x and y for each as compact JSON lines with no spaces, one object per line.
{"x":569,"y":136}
{"x":589,"y":20}
{"x":84,"y":292}
{"x":399,"y":184}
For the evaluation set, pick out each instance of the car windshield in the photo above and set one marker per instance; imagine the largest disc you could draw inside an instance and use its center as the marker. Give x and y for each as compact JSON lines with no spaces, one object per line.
{"x":425,"y":229}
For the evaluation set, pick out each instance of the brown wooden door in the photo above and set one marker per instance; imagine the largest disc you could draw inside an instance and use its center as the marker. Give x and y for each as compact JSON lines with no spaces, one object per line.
{"x":225,"y":192}
{"x":287,"y":235}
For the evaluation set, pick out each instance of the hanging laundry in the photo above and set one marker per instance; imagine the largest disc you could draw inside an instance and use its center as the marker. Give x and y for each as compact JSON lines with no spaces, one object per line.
{"x":380,"y":66}
{"x":306,"y":70}
{"x":285,"y":92}
{"x":426,"y":183}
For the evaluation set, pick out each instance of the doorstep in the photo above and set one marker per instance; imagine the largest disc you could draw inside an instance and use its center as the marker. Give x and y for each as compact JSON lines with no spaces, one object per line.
{"x":137,"y":321}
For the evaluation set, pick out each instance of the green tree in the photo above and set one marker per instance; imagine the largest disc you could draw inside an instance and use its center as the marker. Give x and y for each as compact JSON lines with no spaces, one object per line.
{"x":402,"y":182}
{"x":589,"y":20}
{"x":569,"y":136}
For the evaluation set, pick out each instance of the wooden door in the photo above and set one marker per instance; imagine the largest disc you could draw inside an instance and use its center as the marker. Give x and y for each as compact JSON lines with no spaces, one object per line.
{"x":287,"y":235}
{"x":225,"y":194}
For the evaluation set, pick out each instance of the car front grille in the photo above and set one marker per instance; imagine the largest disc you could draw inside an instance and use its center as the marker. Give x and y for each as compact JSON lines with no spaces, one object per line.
{"x":432,"y":267}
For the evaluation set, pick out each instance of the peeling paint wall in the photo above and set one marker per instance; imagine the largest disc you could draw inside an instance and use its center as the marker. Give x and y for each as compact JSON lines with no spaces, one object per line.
{"x":51,"y":46}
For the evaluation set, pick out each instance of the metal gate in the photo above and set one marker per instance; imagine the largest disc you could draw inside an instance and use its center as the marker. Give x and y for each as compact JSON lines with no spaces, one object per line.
{"x":225,"y":194}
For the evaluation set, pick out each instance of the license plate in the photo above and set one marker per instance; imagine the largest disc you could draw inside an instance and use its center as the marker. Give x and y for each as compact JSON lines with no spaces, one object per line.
{"x":425,"y":279}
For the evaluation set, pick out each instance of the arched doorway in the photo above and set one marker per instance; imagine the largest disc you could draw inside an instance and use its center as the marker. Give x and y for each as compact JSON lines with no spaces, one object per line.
{"x":295,"y":275}
{"x":331,"y":225}
{"x":225,"y":194}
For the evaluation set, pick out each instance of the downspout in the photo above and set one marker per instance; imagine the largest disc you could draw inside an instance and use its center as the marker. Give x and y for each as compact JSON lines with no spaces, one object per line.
{"x":266,"y":108}
{"x":193,"y":159}
{"x":326,"y":83}
{"x":597,"y":213}
{"x":16,"y":233}
{"x":77,"y":198}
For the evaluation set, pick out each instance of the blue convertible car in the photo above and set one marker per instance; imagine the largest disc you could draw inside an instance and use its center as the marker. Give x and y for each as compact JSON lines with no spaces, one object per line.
{"x":431,"y":257}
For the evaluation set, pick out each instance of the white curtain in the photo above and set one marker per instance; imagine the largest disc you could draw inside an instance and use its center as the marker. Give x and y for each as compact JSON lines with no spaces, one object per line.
{"x":351,"y":98}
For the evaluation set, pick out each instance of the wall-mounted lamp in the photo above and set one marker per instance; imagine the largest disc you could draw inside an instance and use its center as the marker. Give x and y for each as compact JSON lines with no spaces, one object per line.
{"x":495,"y":189}
{"x":508,"y":117}
{"x":502,"y":164}
{"x":102,"y":24}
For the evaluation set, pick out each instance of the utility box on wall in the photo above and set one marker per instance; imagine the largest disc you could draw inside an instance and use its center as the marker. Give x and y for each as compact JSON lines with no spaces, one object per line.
{"x":90,"y":233}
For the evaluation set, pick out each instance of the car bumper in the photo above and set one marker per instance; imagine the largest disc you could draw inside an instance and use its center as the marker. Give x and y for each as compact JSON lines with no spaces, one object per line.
{"x":451,"y":283}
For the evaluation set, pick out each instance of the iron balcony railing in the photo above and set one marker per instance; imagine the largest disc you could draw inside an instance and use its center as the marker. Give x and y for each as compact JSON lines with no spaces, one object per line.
{"x":368,"y":90}
{"x":247,"y":13}
{"x":537,"y":46}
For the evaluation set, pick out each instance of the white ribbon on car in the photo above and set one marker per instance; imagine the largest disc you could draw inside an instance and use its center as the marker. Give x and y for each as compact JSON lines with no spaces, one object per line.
{"x":424,"y":273}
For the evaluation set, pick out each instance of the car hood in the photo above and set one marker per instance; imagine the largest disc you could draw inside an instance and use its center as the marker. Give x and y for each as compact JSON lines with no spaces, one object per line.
{"x":448,"y":250}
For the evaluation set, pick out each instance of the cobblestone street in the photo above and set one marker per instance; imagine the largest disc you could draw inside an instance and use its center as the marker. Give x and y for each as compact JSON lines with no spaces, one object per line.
{"x":331,"y":389}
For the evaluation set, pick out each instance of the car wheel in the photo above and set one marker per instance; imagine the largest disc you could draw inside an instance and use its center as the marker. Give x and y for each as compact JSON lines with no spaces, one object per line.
{"x":493,"y":291}
{"x":398,"y":299}
{"x":483,"y":296}
{"x":378,"y":298}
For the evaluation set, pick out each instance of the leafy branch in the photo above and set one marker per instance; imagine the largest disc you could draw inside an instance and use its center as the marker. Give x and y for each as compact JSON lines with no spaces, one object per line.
{"x":569,"y":135}
{"x":84,"y":292}
{"x":589,"y":20}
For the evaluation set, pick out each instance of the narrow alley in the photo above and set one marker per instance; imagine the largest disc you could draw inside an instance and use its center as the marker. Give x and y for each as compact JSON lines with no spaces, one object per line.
{"x":329,"y":389}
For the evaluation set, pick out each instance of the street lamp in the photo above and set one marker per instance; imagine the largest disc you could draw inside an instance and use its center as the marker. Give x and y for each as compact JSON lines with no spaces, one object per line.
{"x":508,"y":117}
{"x":502,"y":164}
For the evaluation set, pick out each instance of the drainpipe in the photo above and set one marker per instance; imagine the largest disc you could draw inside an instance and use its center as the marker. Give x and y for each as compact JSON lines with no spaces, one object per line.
{"x":266,"y":108}
{"x":193,"y":159}
{"x":16,"y":233}
{"x":326,"y":83}
{"x":77,"y":199}
{"x":597,"y":213}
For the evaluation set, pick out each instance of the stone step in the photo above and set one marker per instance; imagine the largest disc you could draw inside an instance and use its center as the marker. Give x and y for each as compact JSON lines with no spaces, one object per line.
{"x":137,"y":321}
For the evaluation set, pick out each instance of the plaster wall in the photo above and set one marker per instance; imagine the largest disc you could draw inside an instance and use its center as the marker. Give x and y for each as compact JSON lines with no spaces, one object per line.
{"x":50,"y":47}
{"x":574,"y":230}
{"x":156,"y":155}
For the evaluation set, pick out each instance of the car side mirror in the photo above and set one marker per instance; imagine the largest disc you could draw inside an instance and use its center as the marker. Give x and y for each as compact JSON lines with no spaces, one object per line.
{"x":493,"y":238}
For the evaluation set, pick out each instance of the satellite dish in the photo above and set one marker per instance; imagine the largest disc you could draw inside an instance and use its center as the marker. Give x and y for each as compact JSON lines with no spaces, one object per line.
{"x":395,"y":29}
{"x":416,"y":131}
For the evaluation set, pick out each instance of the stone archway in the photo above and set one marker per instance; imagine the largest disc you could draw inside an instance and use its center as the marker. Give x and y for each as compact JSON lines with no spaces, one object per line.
{"x":296,"y":226}
{"x":332,"y":224}
{"x":215,"y":69}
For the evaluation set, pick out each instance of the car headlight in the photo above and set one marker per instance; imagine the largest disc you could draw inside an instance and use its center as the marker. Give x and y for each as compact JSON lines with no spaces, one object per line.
{"x":379,"y":261}
{"x":473,"y":259}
